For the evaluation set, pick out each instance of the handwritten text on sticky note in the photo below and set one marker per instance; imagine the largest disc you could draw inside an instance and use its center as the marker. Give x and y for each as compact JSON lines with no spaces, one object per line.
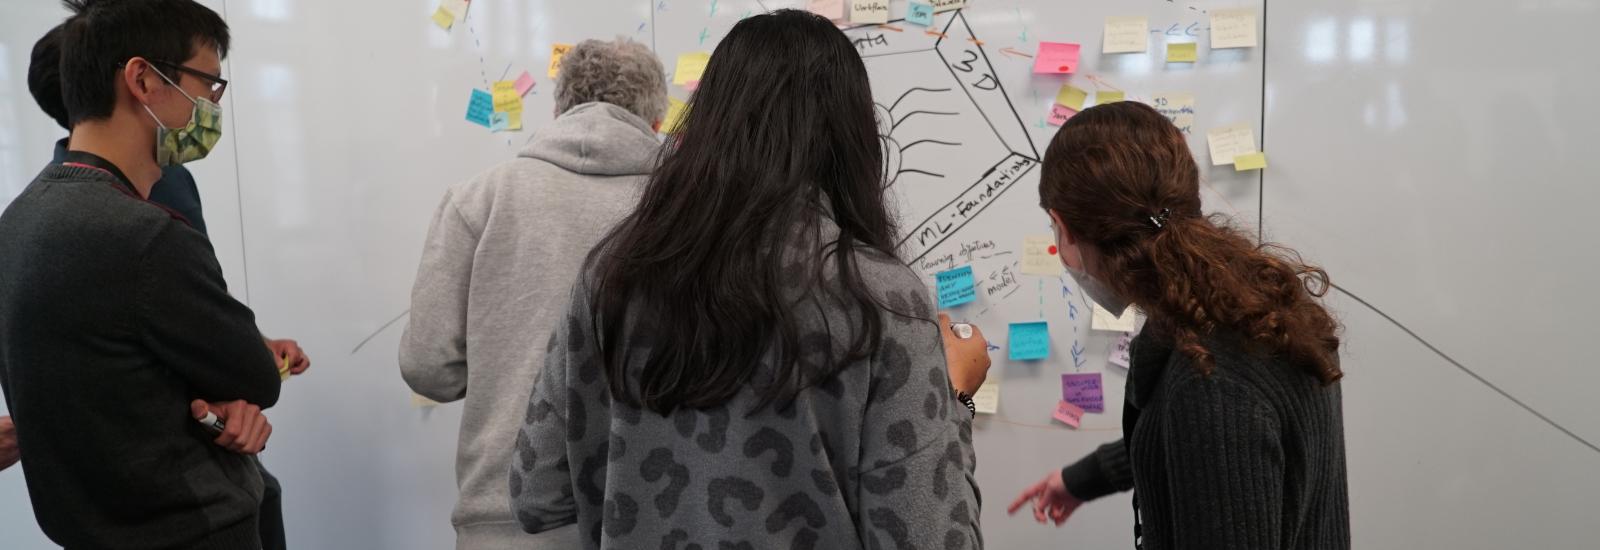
{"x":1126,"y":35}
{"x":506,"y":98}
{"x":1056,"y":58}
{"x":869,"y":11}
{"x":1059,"y":114}
{"x":1083,"y":390}
{"x":1233,"y":28}
{"x":918,"y":13}
{"x":1120,"y":351}
{"x":1039,"y":256}
{"x":1067,"y":413}
{"x":956,"y":287}
{"x":987,"y":400}
{"x":941,"y":6}
{"x":1178,"y":107}
{"x":1029,"y":341}
{"x":1228,"y":142}
{"x":556,"y":52}
{"x":479,"y":107}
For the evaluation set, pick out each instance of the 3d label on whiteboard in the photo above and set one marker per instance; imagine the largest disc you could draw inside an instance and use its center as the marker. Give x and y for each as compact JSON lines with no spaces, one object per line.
{"x":1029,"y":341}
{"x":956,"y":287}
{"x":1084,"y":390}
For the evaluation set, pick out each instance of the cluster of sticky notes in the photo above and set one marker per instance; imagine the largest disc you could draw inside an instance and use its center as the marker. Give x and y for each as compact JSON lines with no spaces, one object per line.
{"x":1067,"y":413}
{"x":956,"y":287}
{"x":1178,"y":107}
{"x":1182,"y":52}
{"x":507,"y":115}
{"x":1069,"y":100}
{"x":556,"y":53}
{"x":831,"y":9}
{"x":1233,"y":28}
{"x":1039,"y":256}
{"x":674,"y":119}
{"x":869,"y":11}
{"x":918,"y":13}
{"x":987,"y":400}
{"x":691,"y":66}
{"x":1056,"y":58}
{"x":1126,"y":35}
{"x":1029,"y":341}
{"x":1104,"y":320}
{"x":448,"y":12}
{"x":480,"y":108}
{"x":1084,"y":390}
{"x":1229,"y":142}
{"x":1121,"y":351}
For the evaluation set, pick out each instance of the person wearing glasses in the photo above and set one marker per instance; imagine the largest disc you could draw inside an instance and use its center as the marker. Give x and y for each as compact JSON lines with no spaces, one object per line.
{"x":117,"y":332}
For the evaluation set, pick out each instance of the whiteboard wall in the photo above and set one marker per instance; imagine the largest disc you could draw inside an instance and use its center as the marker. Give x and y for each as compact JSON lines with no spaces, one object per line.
{"x":1388,"y":149}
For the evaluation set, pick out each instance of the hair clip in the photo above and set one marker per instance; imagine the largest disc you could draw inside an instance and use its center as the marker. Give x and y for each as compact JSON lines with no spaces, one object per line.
{"x":1160,"y":220}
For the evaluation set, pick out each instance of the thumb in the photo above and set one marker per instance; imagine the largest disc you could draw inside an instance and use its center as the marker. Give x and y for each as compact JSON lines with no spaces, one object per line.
{"x":198,"y":408}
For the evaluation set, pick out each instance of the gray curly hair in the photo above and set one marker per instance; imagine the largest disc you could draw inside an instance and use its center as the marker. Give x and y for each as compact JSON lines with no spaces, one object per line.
{"x":620,"y":72}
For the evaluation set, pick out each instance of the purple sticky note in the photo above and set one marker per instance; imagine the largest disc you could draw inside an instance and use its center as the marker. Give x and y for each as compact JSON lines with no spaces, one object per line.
{"x":1083,"y":390}
{"x":524,"y":83}
{"x":1056,"y":58}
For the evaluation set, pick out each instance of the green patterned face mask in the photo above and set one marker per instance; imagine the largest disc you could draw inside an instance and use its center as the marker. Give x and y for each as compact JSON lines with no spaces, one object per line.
{"x":194,"y":140}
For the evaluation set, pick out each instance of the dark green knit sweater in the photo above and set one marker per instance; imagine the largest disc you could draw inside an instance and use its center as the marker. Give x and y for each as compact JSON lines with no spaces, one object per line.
{"x":1249,"y":457}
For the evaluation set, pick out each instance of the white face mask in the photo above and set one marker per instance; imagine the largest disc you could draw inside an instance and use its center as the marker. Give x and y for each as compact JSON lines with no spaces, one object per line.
{"x":1097,"y":291}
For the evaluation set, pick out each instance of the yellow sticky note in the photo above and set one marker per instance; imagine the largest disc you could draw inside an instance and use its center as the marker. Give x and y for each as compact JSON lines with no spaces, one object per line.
{"x":1039,"y":256}
{"x":869,"y":11}
{"x":1126,"y":35}
{"x":1234,"y":28}
{"x":1228,"y":142}
{"x":691,"y":66}
{"x":443,"y":19}
{"x":457,"y":8}
{"x":506,"y":98}
{"x":283,"y":371}
{"x":1107,"y":96}
{"x":1071,"y":97}
{"x":1181,"y":52}
{"x":1252,"y":161}
{"x":514,"y":118}
{"x":556,"y":52}
{"x":987,"y":399}
{"x":674,"y":118}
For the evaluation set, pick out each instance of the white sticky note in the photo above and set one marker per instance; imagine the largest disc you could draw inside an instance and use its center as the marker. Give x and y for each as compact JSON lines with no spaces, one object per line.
{"x":1039,"y":256}
{"x":1234,"y":28}
{"x":1126,"y":35}
{"x":457,"y":8}
{"x":1178,"y":107}
{"x":1121,"y":352}
{"x":987,"y":400}
{"x":941,"y":6}
{"x":1104,"y":320}
{"x":869,"y":11}
{"x":1229,"y":142}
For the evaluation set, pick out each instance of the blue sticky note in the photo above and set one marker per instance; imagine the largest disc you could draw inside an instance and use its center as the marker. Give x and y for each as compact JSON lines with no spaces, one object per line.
{"x":480,"y":108}
{"x":499,"y":121}
{"x":956,"y":287}
{"x":919,"y":14}
{"x":1029,"y":341}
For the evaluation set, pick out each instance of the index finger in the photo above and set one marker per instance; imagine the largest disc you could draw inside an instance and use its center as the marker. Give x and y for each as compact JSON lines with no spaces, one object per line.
{"x":1022,"y":499}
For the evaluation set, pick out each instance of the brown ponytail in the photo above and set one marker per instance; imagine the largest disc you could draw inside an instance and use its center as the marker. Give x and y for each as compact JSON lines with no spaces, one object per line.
{"x":1111,"y":172}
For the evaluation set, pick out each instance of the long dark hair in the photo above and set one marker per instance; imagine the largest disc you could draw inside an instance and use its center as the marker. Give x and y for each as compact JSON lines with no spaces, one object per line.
{"x":727,"y":245}
{"x":1109,"y":171}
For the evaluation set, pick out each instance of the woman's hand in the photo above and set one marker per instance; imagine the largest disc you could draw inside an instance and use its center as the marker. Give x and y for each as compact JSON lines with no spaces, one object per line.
{"x":1051,"y":500}
{"x":968,"y":358}
{"x":245,"y":430}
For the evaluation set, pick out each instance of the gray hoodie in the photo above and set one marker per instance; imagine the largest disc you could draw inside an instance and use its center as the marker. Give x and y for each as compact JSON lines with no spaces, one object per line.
{"x":496,"y":271}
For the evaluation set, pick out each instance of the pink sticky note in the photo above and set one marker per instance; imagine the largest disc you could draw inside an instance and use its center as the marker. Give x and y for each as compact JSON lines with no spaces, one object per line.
{"x":524,"y":83}
{"x":1083,"y":390}
{"x":1059,"y":114}
{"x":691,"y":85}
{"x":1056,"y":58}
{"x":1068,"y":414}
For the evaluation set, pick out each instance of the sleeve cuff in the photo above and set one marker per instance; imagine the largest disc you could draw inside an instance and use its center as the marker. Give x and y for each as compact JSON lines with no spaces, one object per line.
{"x":1102,"y":472}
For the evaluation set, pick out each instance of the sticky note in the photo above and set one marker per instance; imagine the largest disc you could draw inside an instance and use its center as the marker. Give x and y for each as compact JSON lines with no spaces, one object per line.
{"x":524,"y":83}
{"x":956,"y":287}
{"x":674,"y":119}
{"x":869,"y":11}
{"x":443,"y":19}
{"x":1252,"y":161}
{"x":1071,"y":97}
{"x":1181,"y":52}
{"x":1103,"y":97}
{"x":1126,"y":35}
{"x":498,"y":121}
{"x":1104,"y":320}
{"x":1121,"y":351}
{"x":1029,"y":341}
{"x":1056,"y":58}
{"x":479,"y":107}
{"x":506,"y":98}
{"x":691,"y":66}
{"x":1083,"y":390}
{"x":1059,"y":115}
{"x":941,"y":6}
{"x":831,"y":9}
{"x":918,"y":13}
{"x":283,"y":369}
{"x":1178,"y":107}
{"x":987,"y":400}
{"x":456,"y":8}
{"x":1233,"y":28}
{"x":1039,"y":256}
{"x":1228,"y":142}
{"x":1067,"y":413}
{"x":556,"y":52}
{"x":514,"y":121}
{"x":418,"y":401}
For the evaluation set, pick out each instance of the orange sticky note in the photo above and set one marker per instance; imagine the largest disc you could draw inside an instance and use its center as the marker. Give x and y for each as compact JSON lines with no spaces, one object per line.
{"x":1056,"y":58}
{"x":1252,"y":161}
{"x":556,"y":52}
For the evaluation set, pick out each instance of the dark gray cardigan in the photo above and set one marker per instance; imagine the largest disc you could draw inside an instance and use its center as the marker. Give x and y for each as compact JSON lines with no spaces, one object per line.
{"x":1251,"y":456}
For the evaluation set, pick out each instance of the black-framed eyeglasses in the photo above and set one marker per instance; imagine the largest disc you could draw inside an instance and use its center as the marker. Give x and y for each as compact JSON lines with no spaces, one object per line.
{"x":217,"y":84}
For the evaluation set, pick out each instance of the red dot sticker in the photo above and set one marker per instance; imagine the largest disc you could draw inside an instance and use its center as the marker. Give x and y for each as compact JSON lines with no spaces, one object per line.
{"x":1052,"y":250}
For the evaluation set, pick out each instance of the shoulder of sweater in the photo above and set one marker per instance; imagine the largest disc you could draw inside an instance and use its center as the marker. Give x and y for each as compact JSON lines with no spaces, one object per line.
{"x":1250,"y":377}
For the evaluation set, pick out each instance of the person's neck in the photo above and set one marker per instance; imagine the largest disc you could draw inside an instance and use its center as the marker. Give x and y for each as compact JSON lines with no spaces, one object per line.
{"x":123,"y":142}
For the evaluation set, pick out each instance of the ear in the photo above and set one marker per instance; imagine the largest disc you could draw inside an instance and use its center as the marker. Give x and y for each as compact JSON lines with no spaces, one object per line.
{"x":136,"y":75}
{"x":1061,"y":226}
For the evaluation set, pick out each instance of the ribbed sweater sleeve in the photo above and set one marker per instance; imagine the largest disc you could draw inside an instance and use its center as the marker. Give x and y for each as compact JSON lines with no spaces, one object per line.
{"x":1103,"y":472}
